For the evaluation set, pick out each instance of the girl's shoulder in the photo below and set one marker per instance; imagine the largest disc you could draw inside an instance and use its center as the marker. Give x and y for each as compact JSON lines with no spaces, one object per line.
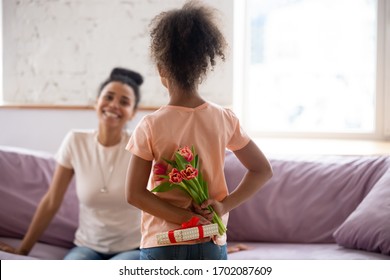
{"x":223,"y":110}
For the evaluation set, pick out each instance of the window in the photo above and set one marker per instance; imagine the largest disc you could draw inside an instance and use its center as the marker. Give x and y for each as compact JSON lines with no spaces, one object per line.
{"x":314,"y":68}
{"x":1,"y":53}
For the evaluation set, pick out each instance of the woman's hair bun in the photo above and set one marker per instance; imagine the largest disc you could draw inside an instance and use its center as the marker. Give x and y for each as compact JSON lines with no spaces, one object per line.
{"x":135,"y":76}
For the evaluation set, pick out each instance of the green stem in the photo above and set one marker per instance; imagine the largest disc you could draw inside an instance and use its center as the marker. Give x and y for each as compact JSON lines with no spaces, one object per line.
{"x":190,"y":192}
{"x":199,"y":196}
{"x":203,"y":196}
{"x":197,"y":189}
{"x":217,"y":220}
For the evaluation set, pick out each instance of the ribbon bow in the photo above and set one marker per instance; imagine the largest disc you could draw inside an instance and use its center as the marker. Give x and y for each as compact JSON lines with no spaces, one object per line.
{"x":191,"y":223}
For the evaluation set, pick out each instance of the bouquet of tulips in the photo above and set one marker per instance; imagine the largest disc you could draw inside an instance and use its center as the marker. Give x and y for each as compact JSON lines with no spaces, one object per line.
{"x":186,"y":176}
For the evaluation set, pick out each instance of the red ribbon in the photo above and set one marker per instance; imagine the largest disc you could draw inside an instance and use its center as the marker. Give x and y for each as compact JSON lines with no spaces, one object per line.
{"x":191,"y":223}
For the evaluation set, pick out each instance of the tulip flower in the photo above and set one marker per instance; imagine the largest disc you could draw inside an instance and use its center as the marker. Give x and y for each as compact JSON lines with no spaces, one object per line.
{"x":186,"y":176}
{"x":158,"y":170}
{"x":186,"y":153}
{"x":175,"y":176}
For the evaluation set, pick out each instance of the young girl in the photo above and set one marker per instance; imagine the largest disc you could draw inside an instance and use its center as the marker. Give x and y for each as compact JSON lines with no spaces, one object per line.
{"x":109,"y":228}
{"x":185,"y":43}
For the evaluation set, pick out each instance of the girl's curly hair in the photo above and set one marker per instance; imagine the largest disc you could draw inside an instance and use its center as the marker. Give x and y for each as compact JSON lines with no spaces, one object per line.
{"x":186,"y":42}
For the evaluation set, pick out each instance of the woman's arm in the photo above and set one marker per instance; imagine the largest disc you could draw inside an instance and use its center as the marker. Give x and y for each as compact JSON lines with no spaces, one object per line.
{"x":138,"y":195}
{"x":46,"y":209}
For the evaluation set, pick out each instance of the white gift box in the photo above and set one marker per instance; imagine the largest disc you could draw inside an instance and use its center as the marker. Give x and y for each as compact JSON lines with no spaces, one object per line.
{"x":187,"y":234}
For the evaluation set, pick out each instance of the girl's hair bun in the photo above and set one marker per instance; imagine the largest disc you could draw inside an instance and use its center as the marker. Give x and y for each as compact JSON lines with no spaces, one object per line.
{"x":130,"y":74}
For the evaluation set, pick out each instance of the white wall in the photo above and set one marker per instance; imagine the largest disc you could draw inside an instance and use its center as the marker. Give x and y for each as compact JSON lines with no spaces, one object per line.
{"x":58,"y":52}
{"x":44,"y":129}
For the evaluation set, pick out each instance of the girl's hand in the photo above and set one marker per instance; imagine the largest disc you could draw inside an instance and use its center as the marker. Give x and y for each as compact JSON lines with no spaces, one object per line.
{"x":205,"y":212}
{"x":218,"y":206}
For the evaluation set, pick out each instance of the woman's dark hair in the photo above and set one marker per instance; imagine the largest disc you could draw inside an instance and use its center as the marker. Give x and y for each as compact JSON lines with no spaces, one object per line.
{"x":186,"y":42}
{"x":129,"y":77}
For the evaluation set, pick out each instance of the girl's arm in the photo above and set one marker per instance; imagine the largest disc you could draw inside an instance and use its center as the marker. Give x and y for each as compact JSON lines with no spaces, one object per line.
{"x":46,"y":209}
{"x":138,"y":195}
{"x":259,"y":172}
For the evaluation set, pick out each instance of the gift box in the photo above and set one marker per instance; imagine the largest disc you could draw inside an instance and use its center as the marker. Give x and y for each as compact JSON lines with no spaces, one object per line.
{"x":187,"y":234}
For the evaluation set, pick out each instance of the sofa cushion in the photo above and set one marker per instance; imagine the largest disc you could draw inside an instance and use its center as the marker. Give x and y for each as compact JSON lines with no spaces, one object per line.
{"x":300,"y":251}
{"x":24,"y":178}
{"x":368,"y":227}
{"x":305,"y":201}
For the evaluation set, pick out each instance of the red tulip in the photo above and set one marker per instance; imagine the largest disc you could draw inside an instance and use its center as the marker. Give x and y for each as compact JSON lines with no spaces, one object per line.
{"x":190,"y":172}
{"x":159,"y":169}
{"x":175,"y":176}
{"x":186,"y":153}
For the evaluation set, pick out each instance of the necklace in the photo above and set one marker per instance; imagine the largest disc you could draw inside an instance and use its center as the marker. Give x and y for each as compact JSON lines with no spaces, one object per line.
{"x":114,"y":160}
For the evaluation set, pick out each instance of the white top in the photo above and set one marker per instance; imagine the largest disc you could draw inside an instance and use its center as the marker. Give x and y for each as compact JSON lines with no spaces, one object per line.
{"x":107,"y":223}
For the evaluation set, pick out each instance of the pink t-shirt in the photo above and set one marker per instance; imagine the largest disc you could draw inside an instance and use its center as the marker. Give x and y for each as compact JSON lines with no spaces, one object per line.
{"x":210,"y":129}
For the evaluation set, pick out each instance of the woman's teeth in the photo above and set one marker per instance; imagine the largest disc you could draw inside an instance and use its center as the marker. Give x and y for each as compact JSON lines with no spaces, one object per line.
{"x":111,"y":115}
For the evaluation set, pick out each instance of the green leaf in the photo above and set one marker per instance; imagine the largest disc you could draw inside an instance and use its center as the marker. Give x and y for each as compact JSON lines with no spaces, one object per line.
{"x":205,"y":188}
{"x":163,"y":187}
{"x":195,"y":162}
{"x":193,"y":150}
{"x":181,"y":162}
{"x":200,"y":179}
{"x":192,"y":192}
{"x":170,"y":162}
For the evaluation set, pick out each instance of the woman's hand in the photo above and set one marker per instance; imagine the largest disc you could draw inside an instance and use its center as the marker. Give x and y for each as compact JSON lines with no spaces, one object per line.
{"x":7,"y":248}
{"x":236,"y":248}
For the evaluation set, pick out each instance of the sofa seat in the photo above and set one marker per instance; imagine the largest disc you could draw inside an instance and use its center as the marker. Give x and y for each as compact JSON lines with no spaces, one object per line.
{"x":300,"y":251}
{"x":40,"y":250}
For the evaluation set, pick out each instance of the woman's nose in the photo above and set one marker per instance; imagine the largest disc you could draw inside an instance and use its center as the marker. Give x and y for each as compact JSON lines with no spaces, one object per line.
{"x":114,"y":103}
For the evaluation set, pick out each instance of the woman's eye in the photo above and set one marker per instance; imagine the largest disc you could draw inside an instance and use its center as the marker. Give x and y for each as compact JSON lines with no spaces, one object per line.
{"x":125,"y":103}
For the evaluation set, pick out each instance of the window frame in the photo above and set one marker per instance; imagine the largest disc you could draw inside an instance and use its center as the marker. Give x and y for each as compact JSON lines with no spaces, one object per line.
{"x":241,"y":50}
{"x":1,"y":54}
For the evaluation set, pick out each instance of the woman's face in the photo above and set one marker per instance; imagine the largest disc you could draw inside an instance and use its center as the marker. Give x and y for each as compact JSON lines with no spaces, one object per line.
{"x":115,"y":105}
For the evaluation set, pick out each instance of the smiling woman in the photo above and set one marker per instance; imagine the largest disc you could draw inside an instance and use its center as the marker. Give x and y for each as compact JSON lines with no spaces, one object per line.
{"x":118,"y":98}
{"x":83,"y":154}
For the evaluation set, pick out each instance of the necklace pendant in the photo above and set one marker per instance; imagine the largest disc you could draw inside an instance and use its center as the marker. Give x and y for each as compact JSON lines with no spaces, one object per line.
{"x":103,"y":189}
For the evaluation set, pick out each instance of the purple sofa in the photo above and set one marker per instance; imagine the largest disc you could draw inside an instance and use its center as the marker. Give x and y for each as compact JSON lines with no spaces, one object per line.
{"x":319,"y":207}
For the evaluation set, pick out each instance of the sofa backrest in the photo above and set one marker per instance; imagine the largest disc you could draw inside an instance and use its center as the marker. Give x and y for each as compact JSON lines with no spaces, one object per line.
{"x":306,"y":199}
{"x":24,"y":178}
